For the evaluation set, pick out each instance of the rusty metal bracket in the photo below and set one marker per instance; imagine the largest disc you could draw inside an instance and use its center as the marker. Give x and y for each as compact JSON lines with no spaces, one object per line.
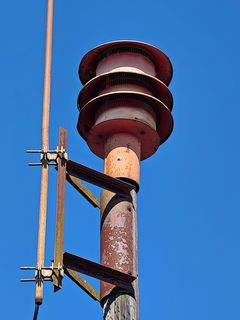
{"x":83,"y":190}
{"x":82,"y":283}
{"x":98,"y":178}
{"x":98,"y":271}
{"x":77,"y":170}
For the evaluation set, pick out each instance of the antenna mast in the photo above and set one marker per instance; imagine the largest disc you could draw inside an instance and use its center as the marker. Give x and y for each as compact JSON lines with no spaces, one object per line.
{"x":45,"y":147}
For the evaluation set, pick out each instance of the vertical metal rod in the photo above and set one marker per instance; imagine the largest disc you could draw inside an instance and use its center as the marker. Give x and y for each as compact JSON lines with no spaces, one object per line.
{"x":45,"y":147}
{"x":59,"y":233}
{"x":119,"y":228}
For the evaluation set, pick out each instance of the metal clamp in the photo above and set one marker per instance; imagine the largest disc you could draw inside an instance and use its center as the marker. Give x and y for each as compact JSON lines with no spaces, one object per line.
{"x":42,"y":274}
{"x":49,"y":157}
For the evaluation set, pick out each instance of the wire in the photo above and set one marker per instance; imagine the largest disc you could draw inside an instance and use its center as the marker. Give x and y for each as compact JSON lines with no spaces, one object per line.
{"x":36,"y":312}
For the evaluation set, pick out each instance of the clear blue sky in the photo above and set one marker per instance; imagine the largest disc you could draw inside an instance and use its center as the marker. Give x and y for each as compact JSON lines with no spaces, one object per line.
{"x":189,"y":201}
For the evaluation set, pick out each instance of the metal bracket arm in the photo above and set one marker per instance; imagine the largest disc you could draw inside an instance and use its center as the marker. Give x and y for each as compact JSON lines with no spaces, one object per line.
{"x":98,"y":178}
{"x":98,"y":271}
{"x":82,"y":283}
{"x":83,"y":190}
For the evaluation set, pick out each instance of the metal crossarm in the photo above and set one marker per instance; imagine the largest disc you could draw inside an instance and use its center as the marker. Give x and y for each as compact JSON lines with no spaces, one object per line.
{"x":98,"y":271}
{"x":99,"y":179}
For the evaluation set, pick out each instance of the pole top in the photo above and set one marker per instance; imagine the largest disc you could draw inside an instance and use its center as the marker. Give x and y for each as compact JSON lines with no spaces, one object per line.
{"x":125,"y":91}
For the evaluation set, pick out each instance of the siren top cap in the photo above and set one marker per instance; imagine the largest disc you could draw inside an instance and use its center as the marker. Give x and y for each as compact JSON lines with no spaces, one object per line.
{"x":162,"y":64}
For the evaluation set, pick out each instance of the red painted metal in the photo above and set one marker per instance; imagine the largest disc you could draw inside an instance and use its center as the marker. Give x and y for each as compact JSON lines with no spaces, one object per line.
{"x":116,"y":236}
{"x":125,"y":81}
{"x":162,"y":64}
{"x":128,"y":94}
{"x":125,"y":115}
{"x":122,"y":157}
{"x":151,"y":137}
{"x":124,"y":60}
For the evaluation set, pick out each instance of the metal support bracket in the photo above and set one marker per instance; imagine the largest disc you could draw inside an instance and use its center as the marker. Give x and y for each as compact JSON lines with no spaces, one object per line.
{"x":99,"y":179}
{"x":83,"y":284}
{"x":42,"y":274}
{"x":83,"y":190}
{"x":66,"y":263}
{"x":98,"y":271}
{"x":61,"y":185}
{"x":49,"y":157}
